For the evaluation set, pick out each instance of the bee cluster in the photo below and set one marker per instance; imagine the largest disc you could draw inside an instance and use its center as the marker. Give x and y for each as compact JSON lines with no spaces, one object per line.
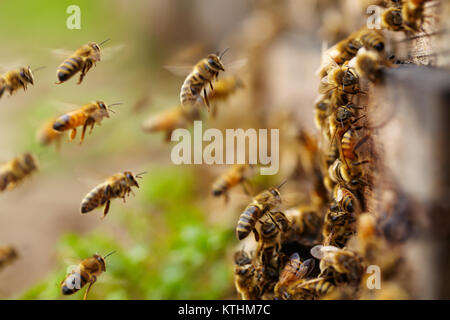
{"x":323,"y":247}
{"x":329,"y":247}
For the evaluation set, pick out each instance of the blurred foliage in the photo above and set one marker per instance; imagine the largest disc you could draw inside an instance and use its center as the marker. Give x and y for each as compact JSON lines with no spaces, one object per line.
{"x":172,"y":254}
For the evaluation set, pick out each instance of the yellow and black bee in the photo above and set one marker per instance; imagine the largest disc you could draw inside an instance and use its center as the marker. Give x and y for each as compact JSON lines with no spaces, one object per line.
{"x":7,"y":255}
{"x":16,"y":170}
{"x":204,"y":72}
{"x":116,"y":186}
{"x":245,"y":277}
{"x":16,"y":79}
{"x":238,"y":173}
{"x":261,"y":204}
{"x":86,"y":272}
{"x":81,"y":61}
{"x":88,"y":115}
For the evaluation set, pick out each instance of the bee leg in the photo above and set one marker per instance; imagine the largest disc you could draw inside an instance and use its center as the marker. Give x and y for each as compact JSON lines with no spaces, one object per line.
{"x":206,"y":98}
{"x":73,"y":133}
{"x":168,"y":136}
{"x":86,"y":123}
{"x":273,"y":220}
{"x":255,"y":232}
{"x":211,"y":86}
{"x":94,"y":278}
{"x":226,"y":197}
{"x":105,"y":211}
{"x":247,"y":187}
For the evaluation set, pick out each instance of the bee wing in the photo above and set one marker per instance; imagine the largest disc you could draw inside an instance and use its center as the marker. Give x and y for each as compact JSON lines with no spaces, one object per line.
{"x":109,"y":52}
{"x":319,"y":251}
{"x":235,"y":65}
{"x":12,"y":65}
{"x":305,"y":269}
{"x":6,"y":155}
{"x":61,"y":53}
{"x":180,"y":71}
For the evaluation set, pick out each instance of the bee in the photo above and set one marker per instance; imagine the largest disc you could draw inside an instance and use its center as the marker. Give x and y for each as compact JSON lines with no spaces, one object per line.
{"x":202,"y":74}
{"x":16,"y":79}
{"x":237,"y":174}
{"x":391,"y":19}
{"x":7,"y":255}
{"x":306,"y":223}
{"x":338,"y":226}
{"x":367,"y":64}
{"x":116,"y":186}
{"x":261,"y":204}
{"x":88,"y":115}
{"x":293,"y":271}
{"x":413,"y":14}
{"x":16,"y":170}
{"x":224,"y":88}
{"x":345,"y":200}
{"x":342,"y":79}
{"x":81,"y":60}
{"x":342,"y":265}
{"x":245,"y":277}
{"x":171,"y":119}
{"x":312,"y":289}
{"x":372,"y":39}
{"x":347,"y":48}
{"x":270,"y":236}
{"x":86,"y":272}
{"x":350,"y":175}
{"x":47,"y":134}
{"x":322,"y":109}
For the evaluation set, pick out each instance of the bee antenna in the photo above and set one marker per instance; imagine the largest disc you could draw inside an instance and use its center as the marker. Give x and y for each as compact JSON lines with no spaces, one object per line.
{"x":282,"y":184}
{"x":112,"y":252}
{"x":139,"y":174}
{"x":39,"y":68}
{"x":115,"y":104}
{"x":104,"y":41}
{"x":223,"y":52}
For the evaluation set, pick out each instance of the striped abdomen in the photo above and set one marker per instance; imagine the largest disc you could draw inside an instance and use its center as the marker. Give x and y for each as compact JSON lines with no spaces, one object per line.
{"x":191,"y":89}
{"x":70,"y":120}
{"x":348,"y":144}
{"x":69,"y":68}
{"x":225,"y":183}
{"x":5,"y":179}
{"x":94,"y":199}
{"x":74,"y":282}
{"x":248,"y":219}
{"x":321,"y":288}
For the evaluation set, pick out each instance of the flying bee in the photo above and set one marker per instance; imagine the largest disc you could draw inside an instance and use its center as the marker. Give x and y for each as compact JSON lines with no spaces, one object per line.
{"x":342,"y":265}
{"x":16,"y":170}
{"x":204,"y":72}
{"x":116,"y":186}
{"x":391,"y":19}
{"x":86,"y":272}
{"x":293,"y":271}
{"x":413,"y":14}
{"x":342,"y":79}
{"x":88,"y":115}
{"x":223,"y":89}
{"x":7,"y":255}
{"x":47,"y":135}
{"x":372,"y":39}
{"x":245,"y":277}
{"x":261,"y":204}
{"x":171,"y":119}
{"x":16,"y":79}
{"x":237,"y":174}
{"x":81,"y":60}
